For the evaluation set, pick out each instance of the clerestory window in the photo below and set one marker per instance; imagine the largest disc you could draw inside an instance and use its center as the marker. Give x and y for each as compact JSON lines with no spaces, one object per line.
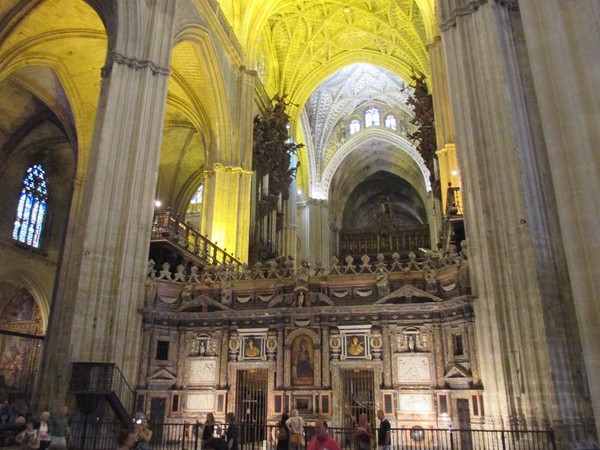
{"x":390,"y":122}
{"x":354,"y":126}
{"x":371,"y":117}
{"x":31,"y":209}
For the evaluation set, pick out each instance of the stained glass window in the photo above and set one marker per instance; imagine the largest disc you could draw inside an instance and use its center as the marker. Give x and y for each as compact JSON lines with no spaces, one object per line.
{"x":390,"y":122}
{"x":354,"y":126}
{"x":196,"y":201}
{"x":32,"y":207}
{"x":372,"y":117}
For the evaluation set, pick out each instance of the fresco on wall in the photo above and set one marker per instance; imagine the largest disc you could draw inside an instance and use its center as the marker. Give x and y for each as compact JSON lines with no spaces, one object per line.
{"x":19,"y":315}
{"x":19,"y":307}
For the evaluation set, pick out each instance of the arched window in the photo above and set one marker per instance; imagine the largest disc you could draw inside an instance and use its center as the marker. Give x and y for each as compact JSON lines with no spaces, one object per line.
{"x":390,"y":122}
{"x":196,"y":201}
{"x":354,"y":126}
{"x":32,"y":207}
{"x":371,"y":117}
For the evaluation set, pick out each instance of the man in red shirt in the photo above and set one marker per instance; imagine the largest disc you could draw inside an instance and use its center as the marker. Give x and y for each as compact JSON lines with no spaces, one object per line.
{"x":321,"y":440}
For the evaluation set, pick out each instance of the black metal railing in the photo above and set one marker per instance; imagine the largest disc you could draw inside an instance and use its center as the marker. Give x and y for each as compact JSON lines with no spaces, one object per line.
{"x":101,"y":435}
{"x":167,"y":227}
{"x":102,"y":379}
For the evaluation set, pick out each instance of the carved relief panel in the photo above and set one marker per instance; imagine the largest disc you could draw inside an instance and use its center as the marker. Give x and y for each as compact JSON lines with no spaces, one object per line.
{"x":202,"y":371}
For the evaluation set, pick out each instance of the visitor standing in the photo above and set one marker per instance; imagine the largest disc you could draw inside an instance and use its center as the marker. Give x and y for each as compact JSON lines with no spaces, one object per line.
{"x":283,"y":433}
{"x":363,"y":433}
{"x":384,"y":434}
{"x":60,"y":431}
{"x":44,"y":430}
{"x":231,"y":434}
{"x":296,"y":426}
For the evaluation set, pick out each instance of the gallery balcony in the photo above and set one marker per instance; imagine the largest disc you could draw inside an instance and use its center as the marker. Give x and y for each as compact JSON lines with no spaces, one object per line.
{"x":170,"y":234}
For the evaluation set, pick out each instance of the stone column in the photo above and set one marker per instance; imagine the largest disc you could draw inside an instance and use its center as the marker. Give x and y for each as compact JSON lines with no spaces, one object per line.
{"x":100,"y":284}
{"x":470,"y":332}
{"x":290,"y":227}
{"x":387,"y":357}
{"x":325,"y":357}
{"x":512,"y":230}
{"x":183,"y":351}
{"x":315,"y":223}
{"x":280,"y":360}
{"x":224,"y":359}
{"x":144,"y":351}
{"x":562,"y":44}
{"x":437,"y":349}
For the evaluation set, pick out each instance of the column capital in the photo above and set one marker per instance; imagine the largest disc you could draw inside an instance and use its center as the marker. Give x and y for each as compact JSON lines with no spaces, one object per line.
{"x":469,"y":7}
{"x":435,"y":42}
{"x":117,"y":58}
{"x":455,"y":11}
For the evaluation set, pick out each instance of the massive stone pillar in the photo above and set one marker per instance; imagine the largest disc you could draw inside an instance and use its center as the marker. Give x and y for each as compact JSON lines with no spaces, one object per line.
{"x":100,"y":285}
{"x":227,"y":194}
{"x":527,"y":346}
{"x":562,"y":44}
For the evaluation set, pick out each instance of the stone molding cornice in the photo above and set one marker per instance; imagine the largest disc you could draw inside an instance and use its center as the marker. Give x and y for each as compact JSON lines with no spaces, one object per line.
{"x":117,"y":58}
{"x":472,"y":7}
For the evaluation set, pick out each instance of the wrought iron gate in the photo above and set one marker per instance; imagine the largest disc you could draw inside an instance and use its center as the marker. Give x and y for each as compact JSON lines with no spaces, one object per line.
{"x":251,"y":403}
{"x":358,"y":387}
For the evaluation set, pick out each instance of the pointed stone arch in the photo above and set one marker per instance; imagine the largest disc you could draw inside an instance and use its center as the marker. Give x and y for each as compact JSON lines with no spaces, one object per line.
{"x":320,"y":188}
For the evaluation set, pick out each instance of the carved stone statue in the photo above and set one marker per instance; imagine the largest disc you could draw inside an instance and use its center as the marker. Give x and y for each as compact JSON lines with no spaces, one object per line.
{"x":431,"y":280}
{"x":302,"y":273}
{"x":300,"y":299}
{"x":186,"y":295}
{"x":180,"y":275}
{"x":150,"y":283}
{"x":165,"y":273}
{"x":463,"y":277}
{"x":226,"y":293}
{"x":382,"y":282}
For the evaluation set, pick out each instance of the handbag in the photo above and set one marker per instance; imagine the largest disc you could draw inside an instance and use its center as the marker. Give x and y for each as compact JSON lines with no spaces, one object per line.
{"x":296,"y":439}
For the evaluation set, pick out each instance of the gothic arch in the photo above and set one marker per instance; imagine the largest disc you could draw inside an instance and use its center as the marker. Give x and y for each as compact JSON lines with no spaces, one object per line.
{"x":320,"y":188}
{"x":216,"y":109}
